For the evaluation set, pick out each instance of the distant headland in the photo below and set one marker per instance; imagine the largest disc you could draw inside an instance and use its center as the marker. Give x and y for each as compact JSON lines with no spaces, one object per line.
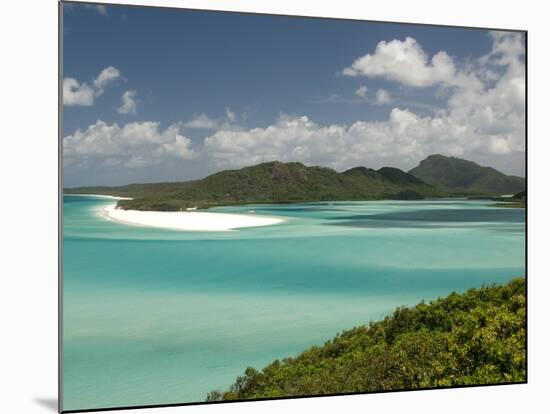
{"x":278,"y":182}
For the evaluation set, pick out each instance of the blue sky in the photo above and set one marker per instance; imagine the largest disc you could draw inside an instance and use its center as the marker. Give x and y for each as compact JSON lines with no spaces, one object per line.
{"x":206,"y":91}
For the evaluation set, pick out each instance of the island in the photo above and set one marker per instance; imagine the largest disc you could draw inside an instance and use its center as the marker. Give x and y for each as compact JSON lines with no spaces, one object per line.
{"x":278,"y":182}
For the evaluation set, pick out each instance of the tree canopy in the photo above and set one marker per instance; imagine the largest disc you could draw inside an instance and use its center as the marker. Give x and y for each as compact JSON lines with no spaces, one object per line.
{"x":477,"y":337}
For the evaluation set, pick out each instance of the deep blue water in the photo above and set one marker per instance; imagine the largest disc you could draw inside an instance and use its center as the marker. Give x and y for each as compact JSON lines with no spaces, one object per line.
{"x":158,"y":316}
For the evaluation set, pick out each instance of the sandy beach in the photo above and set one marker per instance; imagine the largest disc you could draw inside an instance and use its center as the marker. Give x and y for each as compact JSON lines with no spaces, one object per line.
{"x":187,"y":220}
{"x":101,"y":196}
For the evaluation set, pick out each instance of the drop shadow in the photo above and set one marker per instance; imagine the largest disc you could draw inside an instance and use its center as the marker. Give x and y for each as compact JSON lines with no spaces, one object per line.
{"x":49,"y":403}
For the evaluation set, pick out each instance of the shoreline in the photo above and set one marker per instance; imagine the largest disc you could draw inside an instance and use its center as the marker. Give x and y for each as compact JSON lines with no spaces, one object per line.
{"x":99,"y":196}
{"x":187,"y":220}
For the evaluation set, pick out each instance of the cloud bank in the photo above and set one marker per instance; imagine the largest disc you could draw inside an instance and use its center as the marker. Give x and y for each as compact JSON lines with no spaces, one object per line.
{"x":134,"y":145}
{"x":484,"y":116}
{"x":483,"y":119}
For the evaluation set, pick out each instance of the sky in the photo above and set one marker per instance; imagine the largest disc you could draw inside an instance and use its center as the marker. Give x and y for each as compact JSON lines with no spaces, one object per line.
{"x":153,"y":94}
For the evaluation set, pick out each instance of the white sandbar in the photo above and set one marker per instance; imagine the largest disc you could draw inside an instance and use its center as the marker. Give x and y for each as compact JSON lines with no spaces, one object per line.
{"x":101,"y":196}
{"x":187,"y":220}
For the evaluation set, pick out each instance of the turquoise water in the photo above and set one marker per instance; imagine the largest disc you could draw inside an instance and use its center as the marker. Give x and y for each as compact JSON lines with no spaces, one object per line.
{"x":159,"y":316}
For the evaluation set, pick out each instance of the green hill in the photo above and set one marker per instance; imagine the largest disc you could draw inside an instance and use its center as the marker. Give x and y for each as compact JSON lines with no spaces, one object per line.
{"x":466,"y":177}
{"x":271,"y":182}
{"x":478,"y":337}
{"x":521,"y":196}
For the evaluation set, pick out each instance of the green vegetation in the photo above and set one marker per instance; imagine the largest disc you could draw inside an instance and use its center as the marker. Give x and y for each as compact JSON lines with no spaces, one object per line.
{"x":271,"y":182}
{"x":518,"y":204}
{"x":522,"y":196}
{"x":277,"y":182}
{"x":477,"y":337}
{"x":465,"y":177}
{"x":519,"y":200}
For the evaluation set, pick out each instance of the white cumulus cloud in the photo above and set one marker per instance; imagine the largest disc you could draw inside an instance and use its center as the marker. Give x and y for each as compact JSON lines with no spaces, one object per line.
{"x":98,"y":8}
{"x":106,"y":76}
{"x":406,"y":62}
{"x":361,"y":91}
{"x":482,"y":120}
{"x":136,"y":144}
{"x":383,"y":97}
{"x":403,"y":135}
{"x":201,"y":121}
{"x":76,"y":93}
{"x":129,"y":103}
{"x":230,"y":115}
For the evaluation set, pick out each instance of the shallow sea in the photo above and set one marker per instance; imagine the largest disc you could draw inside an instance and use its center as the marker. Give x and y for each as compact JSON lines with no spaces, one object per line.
{"x":159,"y":316}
